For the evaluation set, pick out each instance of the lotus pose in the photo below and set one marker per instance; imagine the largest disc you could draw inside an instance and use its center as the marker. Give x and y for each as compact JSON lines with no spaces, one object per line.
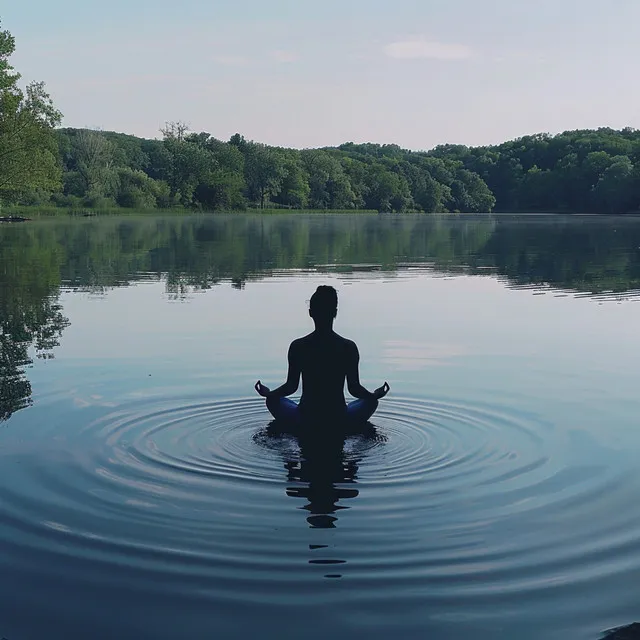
{"x":325,"y":360}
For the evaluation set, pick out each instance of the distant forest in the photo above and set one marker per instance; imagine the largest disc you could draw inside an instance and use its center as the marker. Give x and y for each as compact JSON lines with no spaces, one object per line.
{"x":579,"y":171}
{"x":591,"y":171}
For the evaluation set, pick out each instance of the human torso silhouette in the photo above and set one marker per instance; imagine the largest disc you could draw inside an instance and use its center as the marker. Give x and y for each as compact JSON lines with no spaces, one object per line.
{"x":324,"y":360}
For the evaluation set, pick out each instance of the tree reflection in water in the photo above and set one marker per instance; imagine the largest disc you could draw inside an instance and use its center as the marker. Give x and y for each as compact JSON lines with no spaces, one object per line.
{"x":31,"y":316}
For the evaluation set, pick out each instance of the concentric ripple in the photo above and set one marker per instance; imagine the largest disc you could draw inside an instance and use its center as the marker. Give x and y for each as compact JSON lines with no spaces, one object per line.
{"x":438,"y":503}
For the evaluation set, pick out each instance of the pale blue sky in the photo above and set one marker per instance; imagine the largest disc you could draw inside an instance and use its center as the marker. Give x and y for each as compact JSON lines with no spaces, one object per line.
{"x":301,"y":73}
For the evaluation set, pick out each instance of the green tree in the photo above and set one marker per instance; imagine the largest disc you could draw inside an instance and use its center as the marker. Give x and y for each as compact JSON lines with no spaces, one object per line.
{"x":187,"y":162}
{"x":428,"y":194}
{"x":329,"y":186}
{"x":264,"y":172}
{"x":28,"y":147}
{"x":356,"y":172}
{"x":387,"y":191}
{"x":136,"y":190}
{"x":615,"y":191}
{"x":539,"y":191}
{"x":470,"y":193}
{"x":222,"y":186}
{"x":294,"y":190}
{"x":93,"y":155}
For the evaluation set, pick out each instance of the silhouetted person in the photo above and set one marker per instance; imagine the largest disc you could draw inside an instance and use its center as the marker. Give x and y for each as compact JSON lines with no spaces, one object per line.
{"x":325,"y":360}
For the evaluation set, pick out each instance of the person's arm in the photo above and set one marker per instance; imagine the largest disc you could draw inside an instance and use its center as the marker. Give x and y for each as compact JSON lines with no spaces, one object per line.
{"x":353,"y":375}
{"x":293,"y":377}
{"x":353,"y":379}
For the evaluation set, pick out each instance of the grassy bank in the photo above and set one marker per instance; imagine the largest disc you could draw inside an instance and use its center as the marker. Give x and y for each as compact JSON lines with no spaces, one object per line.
{"x":52,"y":211}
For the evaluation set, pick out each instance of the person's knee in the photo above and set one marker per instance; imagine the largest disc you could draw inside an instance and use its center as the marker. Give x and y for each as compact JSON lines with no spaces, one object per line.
{"x":362,"y":409}
{"x":370,"y":407}
{"x":273,"y":405}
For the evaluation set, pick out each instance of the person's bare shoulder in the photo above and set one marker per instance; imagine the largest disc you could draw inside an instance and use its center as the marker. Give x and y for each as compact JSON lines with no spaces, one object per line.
{"x":299,"y":344}
{"x":296,"y":344}
{"x":349,"y":345}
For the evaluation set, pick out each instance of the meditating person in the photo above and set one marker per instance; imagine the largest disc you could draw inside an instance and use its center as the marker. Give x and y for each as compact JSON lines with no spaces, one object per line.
{"x":325,"y":360}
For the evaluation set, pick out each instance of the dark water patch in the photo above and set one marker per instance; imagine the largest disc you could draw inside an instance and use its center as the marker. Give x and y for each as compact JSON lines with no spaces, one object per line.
{"x":629,"y":632}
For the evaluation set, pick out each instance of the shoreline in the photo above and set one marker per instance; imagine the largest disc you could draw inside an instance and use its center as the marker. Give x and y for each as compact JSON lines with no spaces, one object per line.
{"x":11,"y":214}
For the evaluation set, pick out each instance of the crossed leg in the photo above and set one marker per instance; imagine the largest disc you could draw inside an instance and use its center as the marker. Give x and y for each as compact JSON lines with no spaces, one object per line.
{"x":288,"y":411}
{"x":284,"y":410}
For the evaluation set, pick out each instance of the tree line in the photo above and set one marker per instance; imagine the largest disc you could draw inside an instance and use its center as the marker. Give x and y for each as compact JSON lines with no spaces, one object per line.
{"x":41,"y":164}
{"x":579,"y":171}
{"x":197,"y":171}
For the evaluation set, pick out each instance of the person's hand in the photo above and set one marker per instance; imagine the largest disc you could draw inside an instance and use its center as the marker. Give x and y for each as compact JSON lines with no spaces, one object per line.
{"x":382,"y":391}
{"x":262,"y":390}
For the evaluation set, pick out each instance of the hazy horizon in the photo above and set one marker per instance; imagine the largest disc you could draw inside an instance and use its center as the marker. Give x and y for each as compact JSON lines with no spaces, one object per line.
{"x":417,"y":75}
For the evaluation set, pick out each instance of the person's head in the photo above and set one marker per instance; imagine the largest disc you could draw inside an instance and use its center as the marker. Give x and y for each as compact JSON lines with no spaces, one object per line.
{"x":323,"y":306}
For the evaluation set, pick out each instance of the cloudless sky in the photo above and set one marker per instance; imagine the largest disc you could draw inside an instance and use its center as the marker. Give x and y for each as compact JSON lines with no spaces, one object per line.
{"x":303,"y":73}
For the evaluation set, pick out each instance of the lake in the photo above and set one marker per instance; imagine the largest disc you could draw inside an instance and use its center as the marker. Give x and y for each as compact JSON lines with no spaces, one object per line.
{"x":142,"y":496}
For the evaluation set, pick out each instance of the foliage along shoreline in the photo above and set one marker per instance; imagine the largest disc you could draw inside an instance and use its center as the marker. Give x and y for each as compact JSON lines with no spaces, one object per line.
{"x":43,"y":165}
{"x":38,"y":212}
{"x":105,"y":170}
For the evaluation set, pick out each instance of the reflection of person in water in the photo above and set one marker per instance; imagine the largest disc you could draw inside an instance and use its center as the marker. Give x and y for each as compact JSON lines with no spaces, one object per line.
{"x":322,"y":473}
{"x":320,"y":467}
{"x":325,"y":360}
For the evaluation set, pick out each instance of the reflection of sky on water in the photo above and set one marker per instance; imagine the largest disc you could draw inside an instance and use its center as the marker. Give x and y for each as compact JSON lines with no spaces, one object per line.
{"x":404,"y":355}
{"x":425,"y":335}
{"x":431,"y":317}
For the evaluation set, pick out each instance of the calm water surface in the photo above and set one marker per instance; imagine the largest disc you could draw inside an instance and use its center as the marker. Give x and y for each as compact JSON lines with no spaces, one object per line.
{"x":141,"y":495}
